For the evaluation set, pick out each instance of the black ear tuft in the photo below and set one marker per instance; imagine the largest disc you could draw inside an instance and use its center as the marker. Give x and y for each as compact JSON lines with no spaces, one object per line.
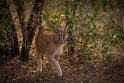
{"x":54,"y":27}
{"x":66,"y":30}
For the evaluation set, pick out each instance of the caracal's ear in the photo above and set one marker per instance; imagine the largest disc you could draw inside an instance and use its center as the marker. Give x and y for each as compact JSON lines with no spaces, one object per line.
{"x":55,"y":28}
{"x":66,"y":29}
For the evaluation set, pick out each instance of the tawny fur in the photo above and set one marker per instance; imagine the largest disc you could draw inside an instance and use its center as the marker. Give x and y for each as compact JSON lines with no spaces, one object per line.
{"x":47,"y":44}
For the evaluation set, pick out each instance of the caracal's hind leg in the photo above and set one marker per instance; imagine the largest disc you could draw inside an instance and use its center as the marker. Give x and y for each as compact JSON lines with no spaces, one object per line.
{"x":39,"y":62}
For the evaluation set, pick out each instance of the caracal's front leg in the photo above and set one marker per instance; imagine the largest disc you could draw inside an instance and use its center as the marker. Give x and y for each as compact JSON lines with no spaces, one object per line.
{"x":57,"y":57}
{"x":56,"y":65}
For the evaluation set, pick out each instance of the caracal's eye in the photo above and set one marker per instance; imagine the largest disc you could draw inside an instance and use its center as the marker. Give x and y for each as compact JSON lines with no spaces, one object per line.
{"x":65,"y":36}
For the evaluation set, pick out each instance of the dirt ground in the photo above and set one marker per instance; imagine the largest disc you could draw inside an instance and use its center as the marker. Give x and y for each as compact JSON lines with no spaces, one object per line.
{"x":15,"y":71}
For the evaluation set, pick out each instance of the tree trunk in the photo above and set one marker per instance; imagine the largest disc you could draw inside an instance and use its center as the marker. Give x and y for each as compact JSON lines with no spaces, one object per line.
{"x":29,"y":31}
{"x":20,"y":10}
{"x":38,"y":6}
{"x":71,"y":38}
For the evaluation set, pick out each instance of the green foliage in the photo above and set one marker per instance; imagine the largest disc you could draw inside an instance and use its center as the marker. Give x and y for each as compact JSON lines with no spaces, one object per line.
{"x":5,"y":31}
{"x":94,"y":35}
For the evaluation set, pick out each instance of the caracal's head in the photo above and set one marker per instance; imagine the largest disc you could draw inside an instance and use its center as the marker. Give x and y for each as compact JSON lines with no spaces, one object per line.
{"x":61,"y":35}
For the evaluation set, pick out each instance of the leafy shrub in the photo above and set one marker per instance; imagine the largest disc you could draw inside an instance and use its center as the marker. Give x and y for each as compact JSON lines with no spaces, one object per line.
{"x":95,"y":34}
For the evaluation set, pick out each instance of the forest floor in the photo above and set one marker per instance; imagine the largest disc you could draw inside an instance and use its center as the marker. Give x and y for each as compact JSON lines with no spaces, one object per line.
{"x":73,"y":72}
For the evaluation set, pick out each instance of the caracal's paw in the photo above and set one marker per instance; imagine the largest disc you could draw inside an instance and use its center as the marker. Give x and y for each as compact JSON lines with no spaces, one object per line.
{"x":39,"y":69}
